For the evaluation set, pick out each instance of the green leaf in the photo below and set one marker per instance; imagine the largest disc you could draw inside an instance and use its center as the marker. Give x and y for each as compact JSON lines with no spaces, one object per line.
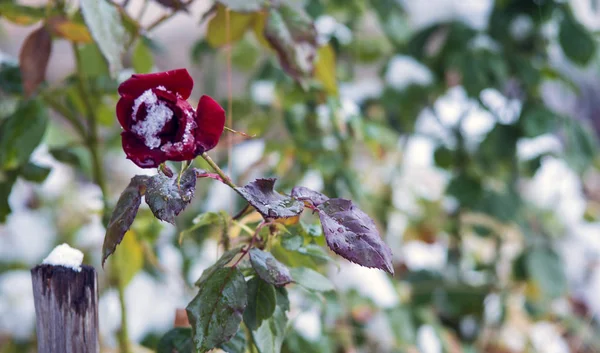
{"x":177,"y":340}
{"x":545,"y":268}
{"x":167,"y":197}
{"x":311,"y":279}
{"x":10,"y":78}
{"x":261,"y":302}
{"x":269,"y":337}
{"x":21,"y":133}
{"x":105,"y":24}
{"x":576,"y":41}
{"x":129,"y":260}
{"x":237,"y":344}
{"x":141,"y":58}
{"x":7,"y":180}
{"x":21,"y":15}
{"x":325,"y":69}
{"x":123,"y":214}
{"x":290,"y":31}
{"x":216,"y":312}
{"x":268,"y":268}
{"x":270,"y":204}
{"x":206,"y":219}
{"x":243,"y":5}
{"x":538,"y":120}
{"x":66,"y":155}
{"x":239,"y":23}
{"x":93,"y":63}
{"x":33,"y":172}
{"x":222,"y":261}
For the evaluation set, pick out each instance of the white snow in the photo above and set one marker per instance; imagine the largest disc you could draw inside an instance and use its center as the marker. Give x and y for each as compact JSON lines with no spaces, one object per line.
{"x":66,"y":256}
{"x":158,"y":115}
{"x":506,"y":110}
{"x":305,"y":55}
{"x":328,"y":27}
{"x":17,"y":310}
{"x":419,"y":255}
{"x":359,"y":91}
{"x":529,"y":148}
{"x":404,"y":71}
{"x":263,"y":92}
{"x":308,"y":325}
{"x":427,"y":340}
{"x":474,"y":13}
{"x":521,"y":26}
{"x":546,"y":338}
{"x":371,"y":283}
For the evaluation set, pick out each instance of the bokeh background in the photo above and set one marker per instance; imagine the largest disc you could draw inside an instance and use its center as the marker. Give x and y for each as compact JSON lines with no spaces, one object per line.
{"x":467,"y":128}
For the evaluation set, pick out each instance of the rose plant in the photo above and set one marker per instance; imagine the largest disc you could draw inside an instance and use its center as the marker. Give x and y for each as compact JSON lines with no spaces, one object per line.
{"x":159,"y":125}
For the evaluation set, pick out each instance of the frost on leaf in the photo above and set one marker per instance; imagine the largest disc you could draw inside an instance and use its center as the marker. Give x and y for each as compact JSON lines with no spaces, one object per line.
{"x":269,"y":203}
{"x":123,"y":214}
{"x":269,"y":269}
{"x":352,"y":234}
{"x":216,"y":312}
{"x":167,"y":197}
{"x":308,"y":195}
{"x":291,"y":32}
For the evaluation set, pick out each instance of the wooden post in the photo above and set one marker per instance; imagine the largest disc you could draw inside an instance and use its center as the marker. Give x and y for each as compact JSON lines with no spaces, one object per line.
{"x":66,"y":307}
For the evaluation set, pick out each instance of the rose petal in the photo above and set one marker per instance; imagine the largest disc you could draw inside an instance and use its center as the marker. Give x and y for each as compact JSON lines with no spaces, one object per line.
{"x":183,"y":145}
{"x":139,"y":153}
{"x":177,"y":81}
{"x":210,"y":121}
{"x":124,"y":110}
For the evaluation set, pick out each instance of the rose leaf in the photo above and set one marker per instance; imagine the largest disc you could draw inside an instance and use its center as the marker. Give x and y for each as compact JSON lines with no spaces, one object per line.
{"x":269,"y":203}
{"x":308,"y":195}
{"x":261,"y":302}
{"x":352,"y":234}
{"x":216,"y":312}
{"x":269,"y":269}
{"x":167,"y":197}
{"x":123,"y":214}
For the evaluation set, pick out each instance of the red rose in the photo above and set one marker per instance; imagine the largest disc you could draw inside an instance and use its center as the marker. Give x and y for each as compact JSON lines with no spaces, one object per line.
{"x":160,"y":125}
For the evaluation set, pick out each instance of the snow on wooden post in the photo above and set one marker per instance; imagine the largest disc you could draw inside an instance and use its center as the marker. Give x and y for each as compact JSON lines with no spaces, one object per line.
{"x":66,"y":303}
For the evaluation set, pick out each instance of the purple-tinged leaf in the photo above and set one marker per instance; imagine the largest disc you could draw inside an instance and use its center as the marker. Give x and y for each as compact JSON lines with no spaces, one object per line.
{"x":291,"y":32}
{"x":269,"y":203}
{"x":352,"y":234}
{"x":167,"y":197}
{"x":308,"y":195}
{"x":123,"y":214}
{"x":269,"y":269}
{"x":216,"y":312}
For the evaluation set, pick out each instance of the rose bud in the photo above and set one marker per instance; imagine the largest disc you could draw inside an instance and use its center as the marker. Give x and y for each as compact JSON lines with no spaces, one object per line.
{"x":160,"y":125}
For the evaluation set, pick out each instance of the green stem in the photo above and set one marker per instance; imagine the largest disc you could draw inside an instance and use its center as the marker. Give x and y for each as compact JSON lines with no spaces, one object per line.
{"x":218,"y":170}
{"x":64,"y":111}
{"x":123,"y":334}
{"x":93,"y":145}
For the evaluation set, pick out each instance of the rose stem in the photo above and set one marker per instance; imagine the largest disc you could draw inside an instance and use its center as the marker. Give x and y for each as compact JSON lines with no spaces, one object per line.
{"x":99,"y":179}
{"x":218,"y":170}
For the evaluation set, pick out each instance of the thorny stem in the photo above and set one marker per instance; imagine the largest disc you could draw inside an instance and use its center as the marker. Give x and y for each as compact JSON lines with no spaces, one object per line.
{"x":218,"y":170}
{"x":92,"y":144}
{"x":254,"y":236}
